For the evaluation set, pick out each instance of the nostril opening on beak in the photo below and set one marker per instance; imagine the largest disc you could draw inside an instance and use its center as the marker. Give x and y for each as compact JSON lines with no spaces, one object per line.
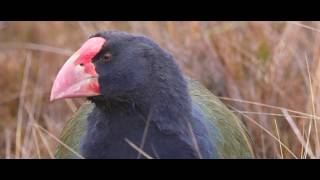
{"x":81,"y":64}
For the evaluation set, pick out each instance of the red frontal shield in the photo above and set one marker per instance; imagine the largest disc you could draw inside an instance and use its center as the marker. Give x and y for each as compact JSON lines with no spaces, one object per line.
{"x":78,"y":77}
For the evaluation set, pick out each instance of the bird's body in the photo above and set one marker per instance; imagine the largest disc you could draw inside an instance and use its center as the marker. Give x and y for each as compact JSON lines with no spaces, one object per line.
{"x":227,"y":135}
{"x":141,"y":105}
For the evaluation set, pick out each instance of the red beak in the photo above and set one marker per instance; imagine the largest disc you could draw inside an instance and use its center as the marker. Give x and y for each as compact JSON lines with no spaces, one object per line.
{"x":78,"y":77}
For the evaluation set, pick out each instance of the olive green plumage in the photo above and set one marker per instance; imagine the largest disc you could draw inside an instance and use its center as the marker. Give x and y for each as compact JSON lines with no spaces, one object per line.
{"x":72,"y":133}
{"x":228,"y":132}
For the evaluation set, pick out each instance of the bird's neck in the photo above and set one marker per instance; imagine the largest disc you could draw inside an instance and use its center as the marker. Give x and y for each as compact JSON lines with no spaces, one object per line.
{"x":168,"y":109}
{"x":165,"y":99}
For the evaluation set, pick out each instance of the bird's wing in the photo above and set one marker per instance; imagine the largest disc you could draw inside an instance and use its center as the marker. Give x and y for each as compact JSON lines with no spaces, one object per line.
{"x":229,"y":133}
{"x":72,"y":133}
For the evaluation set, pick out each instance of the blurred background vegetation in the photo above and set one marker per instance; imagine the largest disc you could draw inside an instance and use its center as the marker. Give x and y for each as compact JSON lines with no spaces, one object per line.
{"x":268,"y":73}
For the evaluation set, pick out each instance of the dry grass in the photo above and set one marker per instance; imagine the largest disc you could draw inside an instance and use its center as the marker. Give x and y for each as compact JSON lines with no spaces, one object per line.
{"x":267,"y":72}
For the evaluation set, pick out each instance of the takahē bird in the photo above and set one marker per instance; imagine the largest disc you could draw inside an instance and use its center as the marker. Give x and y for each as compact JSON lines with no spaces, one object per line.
{"x":141,"y":105}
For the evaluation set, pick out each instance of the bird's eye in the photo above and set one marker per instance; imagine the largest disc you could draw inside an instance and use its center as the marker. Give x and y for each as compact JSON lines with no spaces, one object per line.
{"x":107,"y":57}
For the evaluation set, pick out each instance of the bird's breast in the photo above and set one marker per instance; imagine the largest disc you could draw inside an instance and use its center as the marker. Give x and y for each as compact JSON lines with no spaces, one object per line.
{"x":123,"y":134}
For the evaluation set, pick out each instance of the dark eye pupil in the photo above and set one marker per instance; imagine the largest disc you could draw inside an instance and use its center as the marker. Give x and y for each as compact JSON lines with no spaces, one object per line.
{"x":107,"y":57}
{"x":81,"y":64}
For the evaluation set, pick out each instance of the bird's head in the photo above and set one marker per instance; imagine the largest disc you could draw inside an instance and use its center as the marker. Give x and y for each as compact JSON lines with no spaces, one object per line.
{"x":109,"y":63}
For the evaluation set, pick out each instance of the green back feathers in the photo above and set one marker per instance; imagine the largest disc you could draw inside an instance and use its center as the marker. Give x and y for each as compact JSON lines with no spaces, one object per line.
{"x":72,"y":133}
{"x":232,"y":140}
{"x":225,"y":128}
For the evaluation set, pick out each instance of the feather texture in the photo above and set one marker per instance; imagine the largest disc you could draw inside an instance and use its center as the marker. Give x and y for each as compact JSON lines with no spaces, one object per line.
{"x":226,"y":131}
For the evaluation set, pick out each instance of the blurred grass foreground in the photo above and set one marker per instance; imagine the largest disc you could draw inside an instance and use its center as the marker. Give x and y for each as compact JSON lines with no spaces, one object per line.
{"x":268,"y":73}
